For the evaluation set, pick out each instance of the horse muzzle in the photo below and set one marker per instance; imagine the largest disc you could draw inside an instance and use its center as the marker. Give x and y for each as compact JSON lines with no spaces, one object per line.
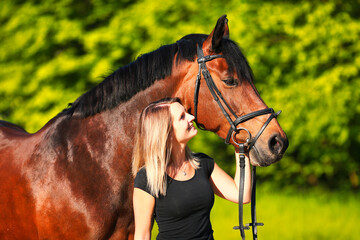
{"x":265,"y":153}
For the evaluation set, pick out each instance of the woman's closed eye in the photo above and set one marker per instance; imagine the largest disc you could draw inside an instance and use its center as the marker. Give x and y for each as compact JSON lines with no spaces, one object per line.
{"x":182,"y":116}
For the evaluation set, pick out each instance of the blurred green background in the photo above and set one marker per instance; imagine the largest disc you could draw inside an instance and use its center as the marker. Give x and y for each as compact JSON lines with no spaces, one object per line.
{"x":305,"y":56}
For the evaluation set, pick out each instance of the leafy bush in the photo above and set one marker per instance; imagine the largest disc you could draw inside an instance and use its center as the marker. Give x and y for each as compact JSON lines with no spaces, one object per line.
{"x":305,"y":56}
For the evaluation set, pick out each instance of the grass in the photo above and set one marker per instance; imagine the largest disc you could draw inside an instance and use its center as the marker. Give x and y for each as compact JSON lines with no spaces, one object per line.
{"x":292,"y":216}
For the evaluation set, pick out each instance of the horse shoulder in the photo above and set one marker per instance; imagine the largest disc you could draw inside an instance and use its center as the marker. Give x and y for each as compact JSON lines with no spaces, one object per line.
{"x":17,"y":203}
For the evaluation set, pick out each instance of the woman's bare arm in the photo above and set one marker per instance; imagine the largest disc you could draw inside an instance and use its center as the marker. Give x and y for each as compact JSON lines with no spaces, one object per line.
{"x":227,"y":187}
{"x":144,"y":205}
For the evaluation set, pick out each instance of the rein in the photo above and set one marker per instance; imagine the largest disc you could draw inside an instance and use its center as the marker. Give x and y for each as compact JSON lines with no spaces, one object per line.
{"x":243,"y":147}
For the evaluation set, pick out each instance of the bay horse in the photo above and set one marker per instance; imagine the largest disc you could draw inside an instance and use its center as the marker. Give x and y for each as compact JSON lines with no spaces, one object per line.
{"x":72,"y":180}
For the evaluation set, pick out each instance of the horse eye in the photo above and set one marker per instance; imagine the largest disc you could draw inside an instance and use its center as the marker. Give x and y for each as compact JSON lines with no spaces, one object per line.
{"x":230,"y":82}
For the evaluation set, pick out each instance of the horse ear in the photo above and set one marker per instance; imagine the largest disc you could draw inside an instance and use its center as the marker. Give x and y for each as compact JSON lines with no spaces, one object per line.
{"x":221,"y":30}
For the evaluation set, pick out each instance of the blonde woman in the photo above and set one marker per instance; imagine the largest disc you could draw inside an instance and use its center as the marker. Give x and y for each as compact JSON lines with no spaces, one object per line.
{"x":172,"y":184}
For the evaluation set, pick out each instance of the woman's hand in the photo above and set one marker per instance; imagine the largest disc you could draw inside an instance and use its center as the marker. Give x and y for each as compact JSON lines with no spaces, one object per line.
{"x":228,"y":188}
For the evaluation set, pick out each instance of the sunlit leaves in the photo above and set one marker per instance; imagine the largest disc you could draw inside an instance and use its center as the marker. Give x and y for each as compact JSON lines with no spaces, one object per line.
{"x":305,"y":56}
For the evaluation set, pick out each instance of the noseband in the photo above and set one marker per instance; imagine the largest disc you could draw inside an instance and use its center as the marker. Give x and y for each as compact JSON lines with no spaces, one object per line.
{"x":233,"y":131}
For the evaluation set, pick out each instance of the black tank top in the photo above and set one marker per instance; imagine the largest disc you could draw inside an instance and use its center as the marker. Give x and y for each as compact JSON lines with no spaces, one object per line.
{"x":184,"y":213}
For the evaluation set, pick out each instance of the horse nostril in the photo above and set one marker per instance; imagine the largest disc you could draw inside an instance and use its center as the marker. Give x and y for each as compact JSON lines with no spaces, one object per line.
{"x":277,"y":144}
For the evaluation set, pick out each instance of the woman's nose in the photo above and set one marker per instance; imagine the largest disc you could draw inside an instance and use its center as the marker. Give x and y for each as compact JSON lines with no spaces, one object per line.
{"x":190,"y":117}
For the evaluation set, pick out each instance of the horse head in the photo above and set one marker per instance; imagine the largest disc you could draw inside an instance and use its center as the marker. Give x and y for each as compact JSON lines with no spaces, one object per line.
{"x":220,"y":103}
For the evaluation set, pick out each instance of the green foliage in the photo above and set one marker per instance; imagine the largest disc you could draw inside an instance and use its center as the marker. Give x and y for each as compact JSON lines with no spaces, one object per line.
{"x":305,"y":56}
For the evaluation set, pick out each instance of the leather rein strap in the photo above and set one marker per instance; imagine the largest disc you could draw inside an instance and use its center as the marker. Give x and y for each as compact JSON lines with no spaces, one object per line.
{"x":250,"y":142}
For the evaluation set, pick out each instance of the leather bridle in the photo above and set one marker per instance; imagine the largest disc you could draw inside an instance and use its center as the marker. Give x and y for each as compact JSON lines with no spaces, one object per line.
{"x":243,"y":147}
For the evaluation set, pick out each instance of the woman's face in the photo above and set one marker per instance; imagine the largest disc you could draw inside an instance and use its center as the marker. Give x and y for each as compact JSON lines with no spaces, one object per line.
{"x":183,"y":126}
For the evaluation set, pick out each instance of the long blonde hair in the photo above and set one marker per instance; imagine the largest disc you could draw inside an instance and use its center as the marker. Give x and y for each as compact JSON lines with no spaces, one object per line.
{"x":153,"y":145}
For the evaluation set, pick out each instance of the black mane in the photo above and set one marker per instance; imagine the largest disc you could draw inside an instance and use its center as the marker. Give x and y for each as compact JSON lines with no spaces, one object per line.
{"x":128,"y":80}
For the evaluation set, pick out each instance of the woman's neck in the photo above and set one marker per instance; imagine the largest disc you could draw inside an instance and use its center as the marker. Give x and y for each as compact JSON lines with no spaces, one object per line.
{"x":178,"y":154}
{"x":179,"y":167}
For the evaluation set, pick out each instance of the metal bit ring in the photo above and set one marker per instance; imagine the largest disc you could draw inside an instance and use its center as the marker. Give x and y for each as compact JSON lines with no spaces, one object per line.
{"x":238,"y":130}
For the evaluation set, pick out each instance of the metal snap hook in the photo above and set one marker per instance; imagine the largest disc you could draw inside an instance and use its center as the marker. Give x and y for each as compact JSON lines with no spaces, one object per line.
{"x":238,"y":130}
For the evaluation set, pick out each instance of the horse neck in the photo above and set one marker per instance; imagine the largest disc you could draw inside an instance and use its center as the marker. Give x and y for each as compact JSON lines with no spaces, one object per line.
{"x":108,"y":136}
{"x":124,"y":118}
